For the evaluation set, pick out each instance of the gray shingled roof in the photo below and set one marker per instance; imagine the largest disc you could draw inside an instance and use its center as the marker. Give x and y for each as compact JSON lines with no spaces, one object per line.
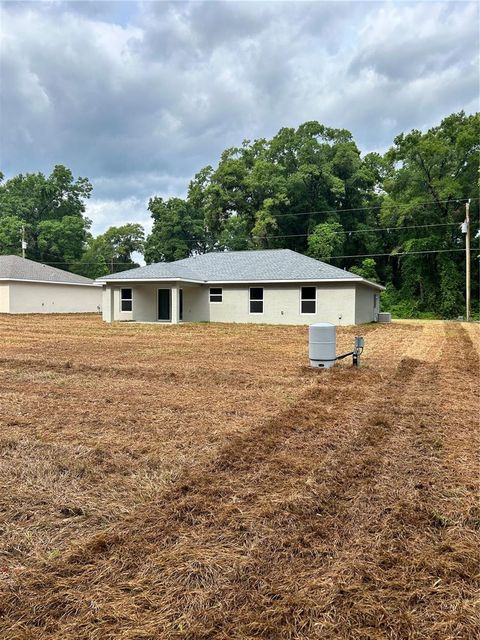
{"x":238,"y":266}
{"x":16,"y":268}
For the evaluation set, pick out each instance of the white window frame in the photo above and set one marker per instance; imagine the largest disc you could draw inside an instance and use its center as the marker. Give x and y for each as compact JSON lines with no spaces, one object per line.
{"x":302,"y":299}
{"x":256,"y":313}
{"x":210,"y":294}
{"x":122,"y":300}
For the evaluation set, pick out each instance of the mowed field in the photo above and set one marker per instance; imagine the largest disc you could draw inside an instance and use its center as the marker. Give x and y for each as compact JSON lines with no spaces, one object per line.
{"x":202,"y":482}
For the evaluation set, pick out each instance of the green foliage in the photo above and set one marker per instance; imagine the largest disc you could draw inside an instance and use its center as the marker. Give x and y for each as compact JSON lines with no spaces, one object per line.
{"x":111,"y":251}
{"x":61,"y":242}
{"x":177,"y":231}
{"x":234,"y":236}
{"x":93,"y":263}
{"x":277,"y":191}
{"x":367,"y":270}
{"x":326,"y":240}
{"x":429,"y":173}
{"x":51,"y":209}
{"x":10,"y":235}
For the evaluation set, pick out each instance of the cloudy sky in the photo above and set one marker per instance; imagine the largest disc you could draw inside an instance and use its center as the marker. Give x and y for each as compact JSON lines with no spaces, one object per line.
{"x":138,"y":96}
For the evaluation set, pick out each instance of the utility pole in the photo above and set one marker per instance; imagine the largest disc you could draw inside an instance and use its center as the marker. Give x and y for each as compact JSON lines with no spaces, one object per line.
{"x":467,"y":258}
{"x":24,"y":244}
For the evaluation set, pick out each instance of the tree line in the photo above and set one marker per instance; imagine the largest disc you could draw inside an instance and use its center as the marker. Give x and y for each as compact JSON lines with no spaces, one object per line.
{"x":394,"y":218}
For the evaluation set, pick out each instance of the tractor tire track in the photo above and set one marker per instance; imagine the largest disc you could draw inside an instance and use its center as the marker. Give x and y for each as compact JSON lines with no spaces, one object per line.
{"x":293,"y":557}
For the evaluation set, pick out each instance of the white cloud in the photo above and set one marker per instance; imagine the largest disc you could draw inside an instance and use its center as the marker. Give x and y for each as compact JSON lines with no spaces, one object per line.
{"x":139,"y":96}
{"x":115,"y":212}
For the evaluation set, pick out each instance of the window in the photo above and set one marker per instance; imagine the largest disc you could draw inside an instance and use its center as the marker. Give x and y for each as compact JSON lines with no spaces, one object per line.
{"x":216,"y":294}
{"x":308,"y":301}
{"x":126,"y":299}
{"x":256,"y":300}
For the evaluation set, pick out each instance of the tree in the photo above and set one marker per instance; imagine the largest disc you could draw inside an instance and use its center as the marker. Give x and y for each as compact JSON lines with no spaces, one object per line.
{"x":431,"y":174}
{"x":367,"y":270}
{"x":112,"y":251}
{"x":285,"y":186}
{"x":326,"y":240}
{"x":11,"y":235}
{"x":62,"y":242}
{"x":51,"y":209}
{"x":177,"y":232}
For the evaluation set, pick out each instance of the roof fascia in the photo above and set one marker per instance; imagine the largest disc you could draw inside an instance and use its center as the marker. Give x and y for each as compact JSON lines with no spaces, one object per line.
{"x":74,"y":284}
{"x":151,"y":280}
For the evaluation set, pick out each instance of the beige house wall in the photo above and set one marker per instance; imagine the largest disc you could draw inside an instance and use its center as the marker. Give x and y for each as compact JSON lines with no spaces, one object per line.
{"x":281,"y":305}
{"x":196,"y":307}
{"x":43,"y":297}
{"x":336,"y":303}
{"x":366,"y":304}
{"x":4,"y":298}
{"x":111,"y":305}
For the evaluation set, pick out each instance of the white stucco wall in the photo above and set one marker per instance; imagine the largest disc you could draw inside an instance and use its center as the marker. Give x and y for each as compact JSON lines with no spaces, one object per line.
{"x":108,"y":308}
{"x":4,"y":298}
{"x":281,"y":304}
{"x":338,"y":303}
{"x":365,"y":307}
{"x":196,"y":307}
{"x":42,"y":297}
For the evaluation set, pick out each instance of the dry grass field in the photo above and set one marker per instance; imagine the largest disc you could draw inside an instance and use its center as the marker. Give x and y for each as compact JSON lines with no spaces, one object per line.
{"x":201,"y":482}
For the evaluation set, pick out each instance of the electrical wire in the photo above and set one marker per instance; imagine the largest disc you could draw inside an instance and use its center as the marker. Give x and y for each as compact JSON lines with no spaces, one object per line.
{"x":395,"y":255}
{"x":375,"y":207}
{"x":360,"y":255}
{"x":417,"y":226}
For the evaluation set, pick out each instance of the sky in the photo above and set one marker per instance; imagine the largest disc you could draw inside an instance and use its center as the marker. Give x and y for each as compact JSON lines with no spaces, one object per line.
{"x":139,"y":96}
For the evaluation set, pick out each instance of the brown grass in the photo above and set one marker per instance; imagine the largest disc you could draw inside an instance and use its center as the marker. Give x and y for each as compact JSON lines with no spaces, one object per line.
{"x":201,"y":482}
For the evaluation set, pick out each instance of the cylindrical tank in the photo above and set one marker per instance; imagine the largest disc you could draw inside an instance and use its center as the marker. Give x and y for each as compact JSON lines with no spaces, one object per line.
{"x":322,"y":345}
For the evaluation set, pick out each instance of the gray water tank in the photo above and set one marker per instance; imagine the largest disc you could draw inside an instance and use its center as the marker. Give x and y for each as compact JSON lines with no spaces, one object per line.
{"x":322,"y":345}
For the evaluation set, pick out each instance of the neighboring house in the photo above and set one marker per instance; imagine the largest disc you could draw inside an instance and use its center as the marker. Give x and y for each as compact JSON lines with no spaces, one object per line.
{"x":32,"y":287}
{"x":275,"y":286}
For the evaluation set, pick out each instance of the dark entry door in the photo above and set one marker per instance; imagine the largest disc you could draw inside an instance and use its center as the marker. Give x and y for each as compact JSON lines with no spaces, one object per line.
{"x":164,"y":304}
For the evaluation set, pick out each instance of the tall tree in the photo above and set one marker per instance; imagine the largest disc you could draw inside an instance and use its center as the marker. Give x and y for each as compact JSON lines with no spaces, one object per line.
{"x":52,"y":211}
{"x":431,"y":175}
{"x":178,"y":230}
{"x":112,"y":251}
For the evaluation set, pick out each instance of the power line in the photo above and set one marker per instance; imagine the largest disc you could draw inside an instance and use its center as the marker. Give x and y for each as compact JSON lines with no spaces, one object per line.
{"x":395,"y":255}
{"x":360,"y":255}
{"x":417,"y":226}
{"x":371,"y":208}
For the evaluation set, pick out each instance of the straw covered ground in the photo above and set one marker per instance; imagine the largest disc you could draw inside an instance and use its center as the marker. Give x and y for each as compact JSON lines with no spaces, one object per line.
{"x":201,"y":482}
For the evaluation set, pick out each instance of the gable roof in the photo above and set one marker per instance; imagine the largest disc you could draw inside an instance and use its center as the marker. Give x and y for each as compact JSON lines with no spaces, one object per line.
{"x":281,"y":265}
{"x":16,"y":268}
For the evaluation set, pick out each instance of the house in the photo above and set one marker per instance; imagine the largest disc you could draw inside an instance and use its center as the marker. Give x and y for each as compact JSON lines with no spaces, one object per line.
{"x":276,"y":286}
{"x":31,"y":287}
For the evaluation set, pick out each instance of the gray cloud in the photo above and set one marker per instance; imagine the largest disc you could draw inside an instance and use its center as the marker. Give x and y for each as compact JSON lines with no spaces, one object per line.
{"x":139,"y":96}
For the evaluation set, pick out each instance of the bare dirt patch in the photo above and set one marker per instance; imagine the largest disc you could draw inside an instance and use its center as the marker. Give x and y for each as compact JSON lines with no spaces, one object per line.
{"x":201,"y":481}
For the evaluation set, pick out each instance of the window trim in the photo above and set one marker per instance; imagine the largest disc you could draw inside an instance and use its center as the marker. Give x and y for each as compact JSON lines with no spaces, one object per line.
{"x":122,"y":299}
{"x":302,"y":299}
{"x":256,"y":313}
{"x":210,"y":294}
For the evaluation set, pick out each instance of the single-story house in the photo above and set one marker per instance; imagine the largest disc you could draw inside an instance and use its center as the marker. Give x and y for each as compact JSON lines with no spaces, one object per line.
{"x":32,"y":287}
{"x":275,"y":286}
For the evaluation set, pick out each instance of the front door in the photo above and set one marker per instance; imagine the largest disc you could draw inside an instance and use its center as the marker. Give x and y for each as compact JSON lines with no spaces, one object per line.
{"x":164,"y":305}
